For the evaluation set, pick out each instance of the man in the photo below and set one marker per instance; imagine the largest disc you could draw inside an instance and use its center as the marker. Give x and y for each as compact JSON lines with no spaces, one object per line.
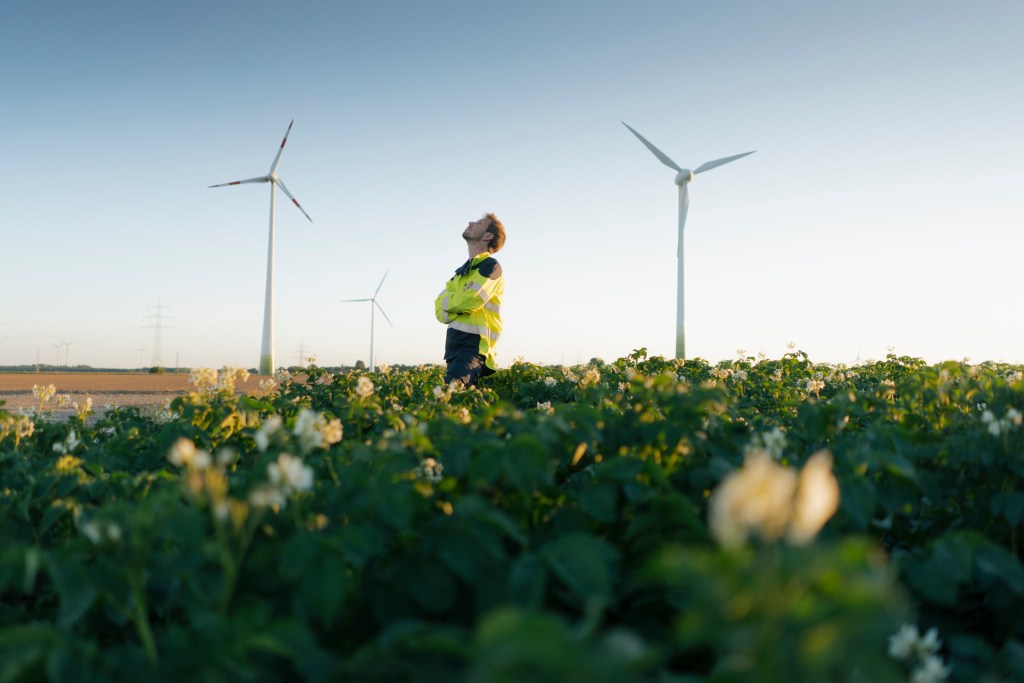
{"x":470,"y":304}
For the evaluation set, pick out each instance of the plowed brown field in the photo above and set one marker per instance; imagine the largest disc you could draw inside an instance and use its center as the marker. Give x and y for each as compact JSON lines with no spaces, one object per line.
{"x":105,"y":389}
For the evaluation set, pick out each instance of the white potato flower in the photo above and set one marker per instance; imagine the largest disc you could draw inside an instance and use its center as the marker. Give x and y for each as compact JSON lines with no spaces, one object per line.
{"x":289,"y":474}
{"x":364,"y":387}
{"x":204,"y":378}
{"x":266,"y":430}
{"x":430,"y":470}
{"x":181,"y":452}
{"x":772,"y":500}
{"x":85,"y":408}
{"x":184,"y":453}
{"x":758,"y":496}
{"x":903,"y":643}
{"x":306,"y":431}
{"x":267,"y":496}
{"x":931,"y":670}
{"x":817,"y":499}
{"x":332,"y":432}
{"x":44,"y":394}
{"x":68,"y":445}
{"x":815,"y":386}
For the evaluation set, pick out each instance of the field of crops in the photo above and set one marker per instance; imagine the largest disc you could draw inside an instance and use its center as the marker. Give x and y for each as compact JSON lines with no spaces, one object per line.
{"x":645,"y":520}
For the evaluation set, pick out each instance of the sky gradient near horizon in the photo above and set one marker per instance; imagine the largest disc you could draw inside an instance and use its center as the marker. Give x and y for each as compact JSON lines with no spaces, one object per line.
{"x":882,"y":209}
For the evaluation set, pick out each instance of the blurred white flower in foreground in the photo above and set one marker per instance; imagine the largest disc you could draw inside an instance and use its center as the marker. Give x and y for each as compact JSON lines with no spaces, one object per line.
{"x":773,"y":500}
{"x":285,"y":478}
{"x":312,"y":430}
{"x":289,"y":474}
{"x":590,"y":378}
{"x":430,"y":470}
{"x":931,"y":670}
{"x":203,"y":378}
{"x":84,"y":410}
{"x":817,"y":499}
{"x":907,"y":645}
{"x":266,"y":430}
{"x":210,"y":380}
{"x":903,"y":643}
{"x":364,"y":387}
{"x":997,"y":426}
{"x":99,"y":530}
{"x":184,"y":453}
{"x":44,"y":394}
{"x":68,"y":445}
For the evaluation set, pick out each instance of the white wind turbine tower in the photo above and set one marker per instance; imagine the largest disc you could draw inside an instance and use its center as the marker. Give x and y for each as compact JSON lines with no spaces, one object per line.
{"x":683,"y":178}
{"x":373,"y":303}
{"x":267,"y":347}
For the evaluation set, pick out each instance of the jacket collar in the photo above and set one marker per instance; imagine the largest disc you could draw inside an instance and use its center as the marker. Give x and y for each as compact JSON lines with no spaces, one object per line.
{"x":466,"y":267}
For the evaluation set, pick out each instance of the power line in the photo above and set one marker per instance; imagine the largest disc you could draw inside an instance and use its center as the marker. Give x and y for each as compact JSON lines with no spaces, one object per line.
{"x":157,"y":324}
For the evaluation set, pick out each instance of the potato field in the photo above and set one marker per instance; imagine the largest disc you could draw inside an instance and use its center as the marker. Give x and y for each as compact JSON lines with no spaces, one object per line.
{"x":768,"y":520}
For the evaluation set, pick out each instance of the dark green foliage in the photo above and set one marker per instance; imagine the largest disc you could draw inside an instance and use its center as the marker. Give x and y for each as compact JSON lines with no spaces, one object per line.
{"x":550,"y":525}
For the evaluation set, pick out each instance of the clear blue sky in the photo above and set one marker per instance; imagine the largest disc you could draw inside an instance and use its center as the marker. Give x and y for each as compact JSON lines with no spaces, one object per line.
{"x":883,"y":207}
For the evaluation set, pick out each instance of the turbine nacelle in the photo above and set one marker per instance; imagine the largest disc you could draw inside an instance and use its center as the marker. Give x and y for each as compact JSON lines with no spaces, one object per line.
{"x":684,"y":176}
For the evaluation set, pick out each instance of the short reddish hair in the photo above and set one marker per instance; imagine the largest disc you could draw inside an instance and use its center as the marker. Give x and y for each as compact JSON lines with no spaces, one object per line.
{"x":498,"y":230}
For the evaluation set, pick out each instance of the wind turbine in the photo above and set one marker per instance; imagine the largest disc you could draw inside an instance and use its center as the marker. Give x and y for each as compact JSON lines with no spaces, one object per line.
{"x":141,"y":350}
{"x":67,"y":352}
{"x":373,"y":303}
{"x":683,"y":178}
{"x":267,"y":347}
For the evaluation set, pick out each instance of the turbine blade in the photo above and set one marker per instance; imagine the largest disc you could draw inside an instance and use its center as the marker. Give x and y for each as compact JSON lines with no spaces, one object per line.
{"x":381,"y":284}
{"x":657,"y":152}
{"x":383,"y":313}
{"x":280,"y":149}
{"x":261,"y":179}
{"x":718,"y":162}
{"x":347,"y":301}
{"x":296,"y":203}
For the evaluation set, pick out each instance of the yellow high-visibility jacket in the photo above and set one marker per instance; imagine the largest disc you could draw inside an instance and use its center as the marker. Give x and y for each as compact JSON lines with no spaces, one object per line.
{"x":470,"y":306}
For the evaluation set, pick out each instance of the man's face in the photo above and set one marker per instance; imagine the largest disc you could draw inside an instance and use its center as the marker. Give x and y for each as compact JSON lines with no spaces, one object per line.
{"x":476,"y":230}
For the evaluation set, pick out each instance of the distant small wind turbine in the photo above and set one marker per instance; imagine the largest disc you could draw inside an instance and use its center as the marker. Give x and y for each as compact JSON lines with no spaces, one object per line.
{"x":373,"y":303}
{"x":57,"y":346}
{"x":683,"y":178}
{"x":67,"y":352}
{"x":267,"y":347}
{"x":142,"y":351}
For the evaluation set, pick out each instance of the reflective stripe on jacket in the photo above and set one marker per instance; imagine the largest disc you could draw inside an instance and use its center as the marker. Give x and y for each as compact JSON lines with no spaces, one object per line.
{"x":470,"y":306}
